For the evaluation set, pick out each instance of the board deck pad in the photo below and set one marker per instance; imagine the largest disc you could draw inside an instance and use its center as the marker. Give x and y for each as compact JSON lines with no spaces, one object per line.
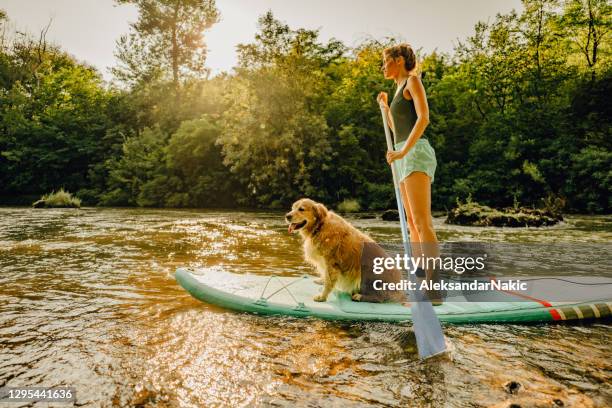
{"x":293,"y":296}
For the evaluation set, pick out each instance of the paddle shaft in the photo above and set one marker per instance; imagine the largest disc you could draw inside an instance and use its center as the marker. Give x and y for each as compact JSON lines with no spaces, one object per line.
{"x":396,"y":181}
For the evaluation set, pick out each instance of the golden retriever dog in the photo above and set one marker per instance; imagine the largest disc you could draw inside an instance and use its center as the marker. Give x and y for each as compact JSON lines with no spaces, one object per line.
{"x":340,"y":253}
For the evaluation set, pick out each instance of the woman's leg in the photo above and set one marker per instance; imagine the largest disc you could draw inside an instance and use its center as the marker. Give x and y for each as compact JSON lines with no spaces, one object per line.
{"x":417,"y":187}
{"x":415,"y":241}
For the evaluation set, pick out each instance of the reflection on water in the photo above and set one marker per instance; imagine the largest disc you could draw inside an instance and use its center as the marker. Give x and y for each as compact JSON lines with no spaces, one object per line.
{"x":88,"y":299}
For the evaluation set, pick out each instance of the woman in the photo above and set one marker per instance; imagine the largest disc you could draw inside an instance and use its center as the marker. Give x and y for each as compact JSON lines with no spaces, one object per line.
{"x":408,"y":116}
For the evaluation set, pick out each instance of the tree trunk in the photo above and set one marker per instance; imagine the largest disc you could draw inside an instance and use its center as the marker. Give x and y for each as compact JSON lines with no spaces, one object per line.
{"x":175,"y":50}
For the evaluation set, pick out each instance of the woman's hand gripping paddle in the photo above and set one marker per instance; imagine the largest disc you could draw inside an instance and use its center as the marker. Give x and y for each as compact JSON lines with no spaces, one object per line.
{"x":427,"y":329}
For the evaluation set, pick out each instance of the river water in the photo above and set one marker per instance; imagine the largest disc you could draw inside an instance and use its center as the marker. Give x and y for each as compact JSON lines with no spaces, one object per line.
{"x":88,"y":300}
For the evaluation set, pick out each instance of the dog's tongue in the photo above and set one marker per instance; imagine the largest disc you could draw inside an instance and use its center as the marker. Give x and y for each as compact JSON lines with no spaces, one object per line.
{"x":290,"y":228}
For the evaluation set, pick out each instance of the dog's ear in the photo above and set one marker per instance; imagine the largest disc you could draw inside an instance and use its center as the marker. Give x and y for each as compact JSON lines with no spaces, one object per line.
{"x":320,"y":210}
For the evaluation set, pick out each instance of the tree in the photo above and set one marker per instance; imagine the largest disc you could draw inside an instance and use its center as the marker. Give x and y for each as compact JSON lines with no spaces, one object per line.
{"x":519,"y":112}
{"x":166,"y":41}
{"x":131,"y":176}
{"x":195,"y":159}
{"x":359,"y":169}
{"x":588,"y":23}
{"x":53,"y":118}
{"x":274,"y":135}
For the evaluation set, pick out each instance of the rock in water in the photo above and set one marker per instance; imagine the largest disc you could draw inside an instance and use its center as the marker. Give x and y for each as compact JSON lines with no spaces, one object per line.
{"x":390,"y":215}
{"x":474,"y":214}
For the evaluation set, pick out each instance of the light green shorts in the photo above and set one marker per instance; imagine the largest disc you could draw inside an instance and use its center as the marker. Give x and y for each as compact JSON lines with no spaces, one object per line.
{"x":422,"y":157}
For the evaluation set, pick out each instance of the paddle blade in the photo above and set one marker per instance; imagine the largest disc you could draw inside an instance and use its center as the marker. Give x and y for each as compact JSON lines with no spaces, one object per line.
{"x":427,"y":328}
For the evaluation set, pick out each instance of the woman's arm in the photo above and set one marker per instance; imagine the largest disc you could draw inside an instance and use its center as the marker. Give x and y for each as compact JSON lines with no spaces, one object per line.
{"x":415,"y":88}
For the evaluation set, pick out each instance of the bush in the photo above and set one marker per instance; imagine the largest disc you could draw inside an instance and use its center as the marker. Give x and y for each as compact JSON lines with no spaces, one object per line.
{"x":380,"y":196}
{"x":590,"y":180}
{"x":348,"y":206}
{"x":142,"y":161}
{"x":59,"y":199}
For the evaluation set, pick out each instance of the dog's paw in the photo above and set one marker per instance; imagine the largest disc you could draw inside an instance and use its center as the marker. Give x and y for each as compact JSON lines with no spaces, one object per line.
{"x":356,"y":297}
{"x":319,"y":298}
{"x":319,"y":281}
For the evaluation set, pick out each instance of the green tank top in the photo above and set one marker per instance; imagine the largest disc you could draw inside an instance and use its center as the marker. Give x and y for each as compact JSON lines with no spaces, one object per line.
{"x":404,"y":115}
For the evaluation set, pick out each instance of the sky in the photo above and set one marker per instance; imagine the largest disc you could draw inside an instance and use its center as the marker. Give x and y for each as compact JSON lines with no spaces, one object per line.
{"x":88,"y":29}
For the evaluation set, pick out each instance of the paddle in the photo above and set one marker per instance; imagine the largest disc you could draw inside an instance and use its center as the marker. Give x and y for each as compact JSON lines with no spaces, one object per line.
{"x":427,"y":329}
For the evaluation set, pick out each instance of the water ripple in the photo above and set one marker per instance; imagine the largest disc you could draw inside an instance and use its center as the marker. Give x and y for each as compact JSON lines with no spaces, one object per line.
{"x":88,"y":299}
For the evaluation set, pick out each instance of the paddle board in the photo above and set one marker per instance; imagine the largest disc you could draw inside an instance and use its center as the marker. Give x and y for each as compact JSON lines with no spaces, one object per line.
{"x":292,"y":296}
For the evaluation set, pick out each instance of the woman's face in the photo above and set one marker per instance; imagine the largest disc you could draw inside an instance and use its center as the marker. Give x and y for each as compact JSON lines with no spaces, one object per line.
{"x":391,"y":67}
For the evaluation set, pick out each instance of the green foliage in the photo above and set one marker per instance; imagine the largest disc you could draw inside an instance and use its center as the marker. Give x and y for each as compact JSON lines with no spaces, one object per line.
{"x":591,"y":180}
{"x":586,"y":25}
{"x":134,"y":176}
{"x":193,"y":157}
{"x":356,"y":135}
{"x":519,"y":114}
{"x":59,"y":199}
{"x":184,"y":170}
{"x":379,"y":196}
{"x":167,"y":41}
{"x":509,"y":119}
{"x":553,"y":204}
{"x":274,"y":136}
{"x":349,"y":206}
{"x":53,"y":118}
